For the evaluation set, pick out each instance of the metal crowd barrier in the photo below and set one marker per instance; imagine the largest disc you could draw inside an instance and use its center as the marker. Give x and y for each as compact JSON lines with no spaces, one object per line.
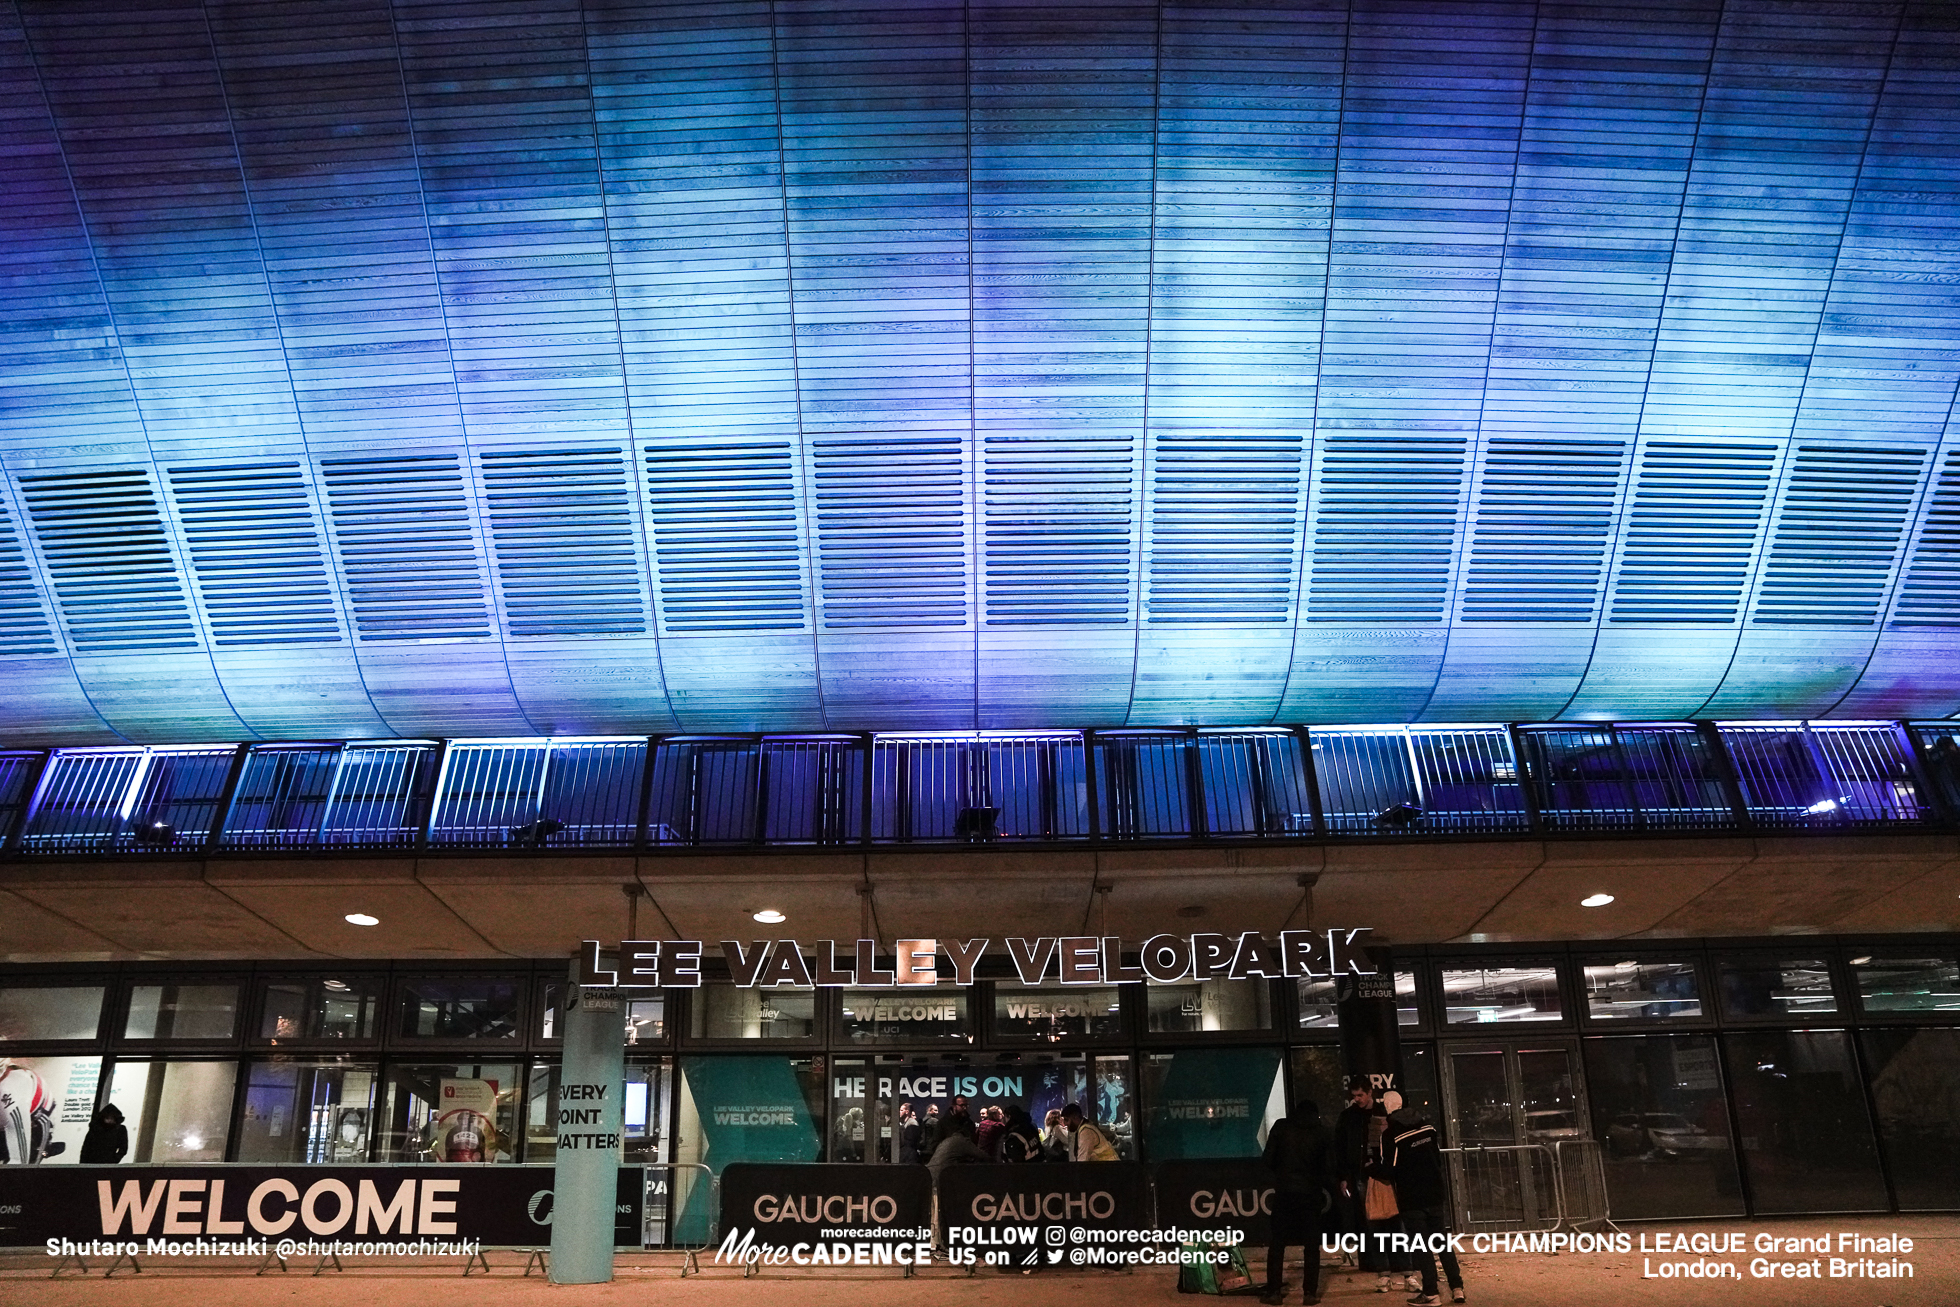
{"x":1529,"y":1187}
{"x":674,"y":1201}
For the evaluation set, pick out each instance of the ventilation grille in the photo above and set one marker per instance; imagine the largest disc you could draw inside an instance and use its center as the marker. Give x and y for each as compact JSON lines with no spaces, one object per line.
{"x":568,"y":557}
{"x":1224,"y":528}
{"x":255,"y":547}
{"x":1058,"y":531}
{"x":1385,"y":528}
{"x":891,"y":531}
{"x":109,"y":560}
{"x":1689,"y":537}
{"x":406,"y":545}
{"x":24,"y":627}
{"x":1837,"y":535}
{"x":1930,"y":593}
{"x":725,"y":537}
{"x":1544,"y":523}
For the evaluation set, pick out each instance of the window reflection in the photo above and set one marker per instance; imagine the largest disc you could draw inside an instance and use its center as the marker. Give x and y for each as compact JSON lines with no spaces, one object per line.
{"x":459,"y":1009}
{"x":1052,"y":1013}
{"x":1209,"y":1005}
{"x":1658,"y":1108}
{"x":182,"y":1012}
{"x":1913,"y":1079}
{"x":1806,"y":1138}
{"x":328,"y":1007}
{"x":728,"y":1012}
{"x":50,"y":1012}
{"x":307,"y":1112}
{"x":450,"y":1112}
{"x":1769,"y":986}
{"x":1501,"y":994}
{"x":174,"y":1111}
{"x":892,"y":1016}
{"x":1641,"y":991}
{"x":1904,"y":984}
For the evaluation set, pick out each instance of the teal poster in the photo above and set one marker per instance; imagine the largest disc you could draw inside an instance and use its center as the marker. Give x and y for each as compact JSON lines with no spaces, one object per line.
{"x":1213,"y":1103}
{"x":749,"y":1109}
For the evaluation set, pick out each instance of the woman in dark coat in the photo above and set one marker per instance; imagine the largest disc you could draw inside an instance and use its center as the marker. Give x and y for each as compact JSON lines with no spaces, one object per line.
{"x":107,"y":1139}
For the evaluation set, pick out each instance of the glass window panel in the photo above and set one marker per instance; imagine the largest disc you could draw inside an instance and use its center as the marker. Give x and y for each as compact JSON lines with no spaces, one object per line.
{"x":50,"y":1012}
{"x":319,"y":1007}
{"x":1408,"y":1000}
{"x":728,"y":1012}
{"x":1769,"y":986}
{"x":174,"y":1111}
{"x":1639,"y":990}
{"x":1419,"y":1091}
{"x":299,"y":1111}
{"x":646,"y":1017}
{"x":1501,"y":994}
{"x":1319,"y":1079}
{"x":893,"y":1016}
{"x":1209,"y":1005}
{"x":182,"y":1012}
{"x":1907,"y":984}
{"x":736,"y":1108}
{"x":460,"y":1009}
{"x":1212,"y":1102}
{"x":1054,"y":1013}
{"x":1318,"y":1008}
{"x":1658,"y":1108}
{"x":1806,"y":1139}
{"x":57,"y":1095}
{"x":1112,"y":1101}
{"x":1913,"y":1078}
{"x":450,"y":1112}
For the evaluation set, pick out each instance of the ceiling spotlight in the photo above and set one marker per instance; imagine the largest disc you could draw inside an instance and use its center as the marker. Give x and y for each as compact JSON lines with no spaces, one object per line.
{"x":770,"y":917}
{"x":1398,"y":815}
{"x":362,"y":919}
{"x":1595,"y":900}
{"x":1863,"y":961}
{"x":337,"y":986}
{"x":1823,"y":806}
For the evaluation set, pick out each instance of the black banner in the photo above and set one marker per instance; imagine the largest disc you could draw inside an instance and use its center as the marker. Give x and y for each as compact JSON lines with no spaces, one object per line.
{"x":496,"y":1206}
{"x":826,"y":1202}
{"x":1371,"y":1036}
{"x":1234,"y":1193}
{"x":1031,"y":1216}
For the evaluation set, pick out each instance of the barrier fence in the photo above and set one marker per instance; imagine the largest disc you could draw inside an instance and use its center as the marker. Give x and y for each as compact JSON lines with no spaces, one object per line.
{"x":131,"y":1213}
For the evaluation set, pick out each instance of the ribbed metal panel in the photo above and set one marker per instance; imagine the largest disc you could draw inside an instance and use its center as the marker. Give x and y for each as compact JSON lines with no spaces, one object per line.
{"x":408,"y":547}
{"x":1835,"y":540}
{"x":110,"y":559}
{"x":564,"y":527}
{"x":254,"y":538}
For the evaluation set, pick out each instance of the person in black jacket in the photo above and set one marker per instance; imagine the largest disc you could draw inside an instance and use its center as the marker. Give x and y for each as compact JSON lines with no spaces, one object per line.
{"x":908,"y":1135}
{"x":1412,"y":1161}
{"x":107,"y":1139}
{"x":1300,"y":1153}
{"x":1353,"y":1139}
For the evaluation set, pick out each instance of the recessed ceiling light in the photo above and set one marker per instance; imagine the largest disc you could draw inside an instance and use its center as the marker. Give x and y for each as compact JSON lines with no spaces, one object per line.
{"x":362,"y":919}
{"x":1595,"y":900}
{"x":1859,"y":962}
{"x":770,"y":917}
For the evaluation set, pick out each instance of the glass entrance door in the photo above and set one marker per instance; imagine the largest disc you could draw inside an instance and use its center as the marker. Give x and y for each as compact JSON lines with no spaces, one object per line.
{"x":1507,"y":1107}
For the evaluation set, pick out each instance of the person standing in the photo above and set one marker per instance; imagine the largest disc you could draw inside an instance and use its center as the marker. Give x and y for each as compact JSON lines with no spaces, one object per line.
{"x":1412,"y":1161}
{"x":1086,"y":1140}
{"x":929,"y":1132}
{"x":908,"y":1134}
{"x":1054,"y":1137}
{"x":107,"y":1139}
{"x":988,"y":1133}
{"x":1300,"y":1154}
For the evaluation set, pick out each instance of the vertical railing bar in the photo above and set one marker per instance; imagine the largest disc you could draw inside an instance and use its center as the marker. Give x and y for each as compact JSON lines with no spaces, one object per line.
{"x":1933,"y":804}
{"x":227,"y":797}
{"x":1091,"y":785}
{"x":433,"y":800}
{"x":31,"y":798}
{"x":1726,"y":779}
{"x":1532,"y":821}
{"x":1310,"y":778}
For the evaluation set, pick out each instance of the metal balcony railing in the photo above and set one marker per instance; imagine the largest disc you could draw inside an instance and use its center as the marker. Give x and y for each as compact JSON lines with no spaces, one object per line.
{"x":1179,"y":784}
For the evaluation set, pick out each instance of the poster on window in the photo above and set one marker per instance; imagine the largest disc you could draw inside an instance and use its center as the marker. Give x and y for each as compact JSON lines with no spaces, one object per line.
{"x":465,"y":1124}
{"x":45,"y":1107}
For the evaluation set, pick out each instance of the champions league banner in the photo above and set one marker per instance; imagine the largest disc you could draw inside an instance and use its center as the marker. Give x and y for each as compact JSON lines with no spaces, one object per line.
{"x":244,"y":1210}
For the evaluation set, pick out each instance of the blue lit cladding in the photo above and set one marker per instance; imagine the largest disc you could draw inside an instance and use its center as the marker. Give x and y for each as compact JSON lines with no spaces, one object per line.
{"x":413,"y":368}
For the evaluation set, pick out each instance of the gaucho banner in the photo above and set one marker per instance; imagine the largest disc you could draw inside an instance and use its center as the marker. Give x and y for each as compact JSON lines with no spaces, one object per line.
{"x":1026,"y":1216}
{"x":163,"y":1210}
{"x":835,"y":1214}
{"x":1231,"y":1191}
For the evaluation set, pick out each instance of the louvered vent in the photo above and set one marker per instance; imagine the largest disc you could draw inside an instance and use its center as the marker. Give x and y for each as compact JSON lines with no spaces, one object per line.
{"x":1544,"y":523}
{"x":1688,"y":540}
{"x":1224,"y":528}
{"x":24,"y":627}
{"x":1058,"y":535}
{"x":1385,"y":528}
{"x":407,"y":547}
{"x":725,"y":536}
{"x":568,"y":556}
{"x":891,"y":531}
{"x":255,"y":548}
{"x":1837,"y":535}
{"x":1929,"y":595}
{"x":108,"y":556}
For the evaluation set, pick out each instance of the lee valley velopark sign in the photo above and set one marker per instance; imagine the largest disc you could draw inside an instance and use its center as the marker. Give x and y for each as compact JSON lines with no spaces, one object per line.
{"x":1073,"y":960}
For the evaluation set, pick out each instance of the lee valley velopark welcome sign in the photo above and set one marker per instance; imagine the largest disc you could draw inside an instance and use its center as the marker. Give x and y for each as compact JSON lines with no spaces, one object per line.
{"x":1074,"y":960}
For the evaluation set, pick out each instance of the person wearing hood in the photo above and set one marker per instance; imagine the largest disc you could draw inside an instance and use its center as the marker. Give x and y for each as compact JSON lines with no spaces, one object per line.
{"x":1020,"y":1141}
{"x":1412,"y":1160}
{"x":1300,"y":1154}
{"x":107,"y":1139}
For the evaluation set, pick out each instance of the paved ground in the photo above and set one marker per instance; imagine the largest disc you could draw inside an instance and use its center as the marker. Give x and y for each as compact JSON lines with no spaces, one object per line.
{"x":1522,"y":1280}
